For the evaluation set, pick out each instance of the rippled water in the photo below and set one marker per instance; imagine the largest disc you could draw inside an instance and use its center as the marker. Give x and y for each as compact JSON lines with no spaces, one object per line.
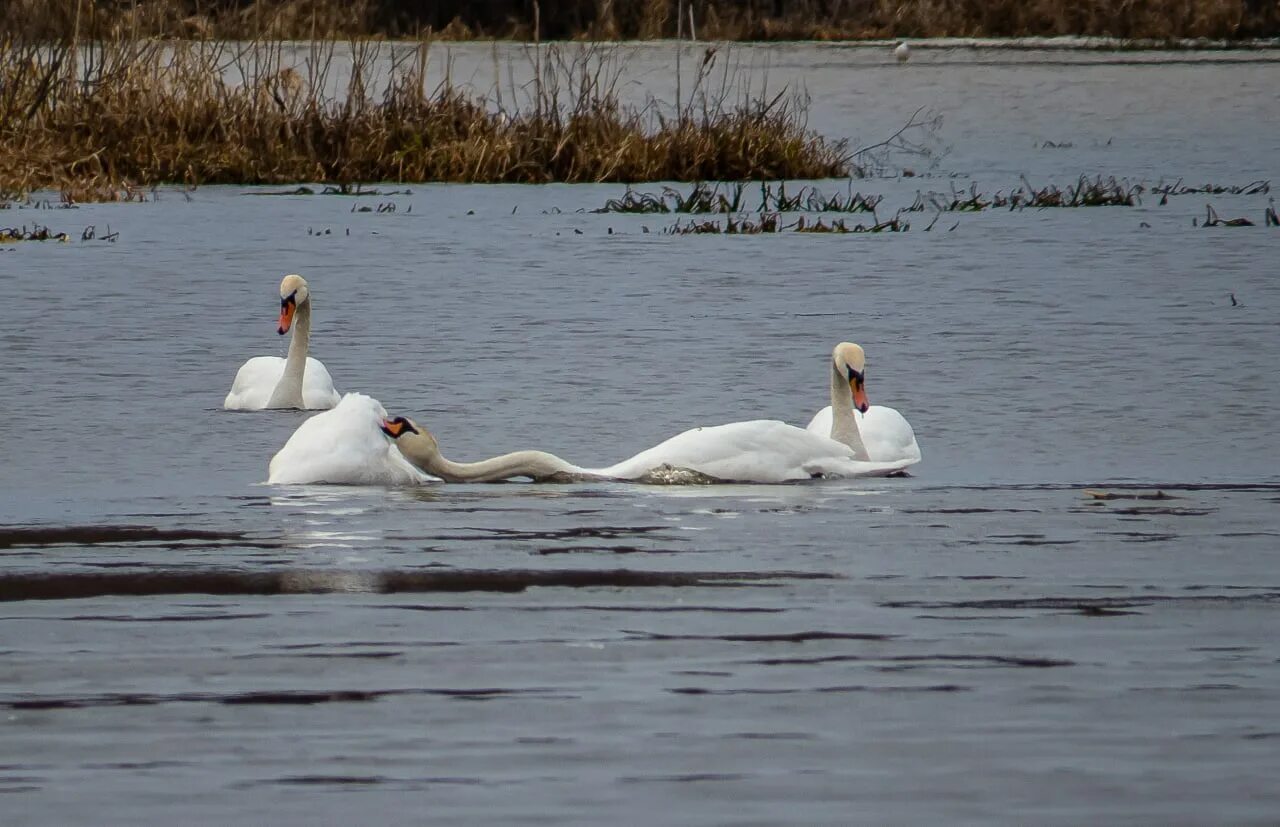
{"x":982,"y":642}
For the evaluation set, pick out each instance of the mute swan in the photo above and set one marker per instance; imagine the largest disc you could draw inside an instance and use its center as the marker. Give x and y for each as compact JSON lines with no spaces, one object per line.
{"x":419,"y":446}
{"x":883,"y":433}
{"x":343,"y":445}
{"x":761,"y":450}
{"x":297,"y":382}
{"x":902,"y":52}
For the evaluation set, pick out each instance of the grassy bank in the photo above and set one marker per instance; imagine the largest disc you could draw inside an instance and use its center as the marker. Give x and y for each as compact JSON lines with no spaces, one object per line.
{"x":100,"y":118}
{"x":649,"y":19}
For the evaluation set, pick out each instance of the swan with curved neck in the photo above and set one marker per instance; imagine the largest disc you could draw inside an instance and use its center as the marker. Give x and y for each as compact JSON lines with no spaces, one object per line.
{"x":848,"y":389}
{"x":298,"y":381}
{"x":419,"y":446}
{"x":759,"y":450}
{"x":875,"y":433}
{"x":343,"y":446}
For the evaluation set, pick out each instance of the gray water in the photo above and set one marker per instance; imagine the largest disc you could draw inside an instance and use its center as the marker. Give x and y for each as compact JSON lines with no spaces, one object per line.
{"x":981,"y":642}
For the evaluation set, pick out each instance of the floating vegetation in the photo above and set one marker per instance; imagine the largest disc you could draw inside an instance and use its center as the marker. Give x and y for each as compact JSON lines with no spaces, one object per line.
{"x":1177,"y":188}
{"x":975,"y":202}
{"x":356,"y":189}
{"x":110,"y":114}
{"x":636,"y":202}
{"x":36,"y":233}
{"x":706,"y":198}
{"x":91,"y":232}
{"x":1098,"y":192}
{"x":772,"y":223}
{"x":1086,"y":192}
{"x":809,"y":199}
{"x":1211,"y":219}
{"x":767,"y":223}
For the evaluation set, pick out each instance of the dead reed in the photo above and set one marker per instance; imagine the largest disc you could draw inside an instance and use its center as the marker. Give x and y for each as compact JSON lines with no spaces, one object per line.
{"x":650,"y":19}
{"x":1086,"y":192}
{"x":113,"y":116}
{"x":1178,"y":188}
{"x":772,"y":223}
{"x":707,"y":198}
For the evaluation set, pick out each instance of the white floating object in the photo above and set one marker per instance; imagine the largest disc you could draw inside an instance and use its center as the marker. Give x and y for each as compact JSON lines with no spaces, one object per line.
{"x":902,"y":52}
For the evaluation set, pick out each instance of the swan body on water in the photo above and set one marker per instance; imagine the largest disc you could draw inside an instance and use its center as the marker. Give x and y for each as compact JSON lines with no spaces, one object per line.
{"x":298,"y":381}
{"x":882,"y":434}
{"x":760,"y":450}
{"x":902,"y":52}
{"x":344,"y":445}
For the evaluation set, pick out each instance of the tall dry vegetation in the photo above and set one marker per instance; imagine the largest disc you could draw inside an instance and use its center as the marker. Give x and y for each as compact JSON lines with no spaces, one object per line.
{"x":643,"y":19}
{"x":121,"y":111}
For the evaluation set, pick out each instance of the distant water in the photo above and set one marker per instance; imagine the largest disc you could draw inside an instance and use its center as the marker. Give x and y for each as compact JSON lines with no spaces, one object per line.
{"x":982,"y":642}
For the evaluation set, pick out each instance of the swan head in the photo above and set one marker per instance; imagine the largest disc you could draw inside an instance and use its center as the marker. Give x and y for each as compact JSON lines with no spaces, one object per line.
{"x":409,"y":435}
{"x":850,"y":362}
{"x":293,"y":292}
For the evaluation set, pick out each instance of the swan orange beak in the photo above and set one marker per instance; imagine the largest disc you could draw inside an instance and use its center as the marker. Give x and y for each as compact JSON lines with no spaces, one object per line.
{"x":396,"y":426}
{"x":288,"y":307}
{"x":859,"y":389}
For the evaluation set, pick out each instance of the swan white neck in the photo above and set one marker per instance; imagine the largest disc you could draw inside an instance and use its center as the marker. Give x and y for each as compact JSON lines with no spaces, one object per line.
{"x":844,"y":425}
{"x":537,"y":465}
{"x":288,"y":392}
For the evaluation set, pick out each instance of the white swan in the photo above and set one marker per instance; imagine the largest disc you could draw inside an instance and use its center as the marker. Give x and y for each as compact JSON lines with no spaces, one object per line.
{"x":343,"y":446}
{"x":296,"y":382}
{"x":883,"y":433}
{"x":902,"y":52}
{"x":761,"y":450}
{"x":419,"y":446}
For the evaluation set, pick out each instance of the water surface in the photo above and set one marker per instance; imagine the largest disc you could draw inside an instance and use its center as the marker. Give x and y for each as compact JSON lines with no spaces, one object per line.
{"x":981,"y":642}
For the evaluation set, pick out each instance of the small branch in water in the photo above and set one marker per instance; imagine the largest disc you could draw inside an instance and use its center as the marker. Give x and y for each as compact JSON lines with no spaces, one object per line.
{"x":1211,"y":219}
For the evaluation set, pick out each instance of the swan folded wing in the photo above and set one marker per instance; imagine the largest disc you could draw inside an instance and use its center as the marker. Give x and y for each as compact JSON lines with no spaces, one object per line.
{"x":317,"y":386}
{"x":885,"y":432}
{"x":344,"y":445}
{"x":253,"y":384}
{"x":760,"y":450}
{"x":257,"y":379}
{"x":821,"y":422}
{"x":888,"y":436}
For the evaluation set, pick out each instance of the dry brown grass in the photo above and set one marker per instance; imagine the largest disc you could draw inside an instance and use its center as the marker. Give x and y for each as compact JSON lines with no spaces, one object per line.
{"x":647,"y":19}
{"x":113,"y":115}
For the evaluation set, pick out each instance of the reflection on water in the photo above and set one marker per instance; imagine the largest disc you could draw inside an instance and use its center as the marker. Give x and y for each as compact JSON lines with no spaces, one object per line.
{"x":1024,"y":626}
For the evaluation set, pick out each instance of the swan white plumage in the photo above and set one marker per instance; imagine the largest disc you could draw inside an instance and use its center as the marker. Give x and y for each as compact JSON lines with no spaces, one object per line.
{"x":343,"y":446}
{"x":758,"y":450}
{"x":761,"y":450}
{"x":299,"y":381}
{"x":883,"y":433}
{"x":902,"y":52}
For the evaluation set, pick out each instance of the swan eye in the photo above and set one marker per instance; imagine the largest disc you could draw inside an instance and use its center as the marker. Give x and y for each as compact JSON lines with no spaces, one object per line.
{"x":292,"y":298}
{"x":857,"y":376}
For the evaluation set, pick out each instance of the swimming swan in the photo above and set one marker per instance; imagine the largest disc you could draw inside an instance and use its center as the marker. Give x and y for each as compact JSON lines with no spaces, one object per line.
{"x":296,"y":382}
{"x":883,"y":433}
{"x":343,"y":446}
{"x":760,"y":450}
{"x":419,"y":446}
